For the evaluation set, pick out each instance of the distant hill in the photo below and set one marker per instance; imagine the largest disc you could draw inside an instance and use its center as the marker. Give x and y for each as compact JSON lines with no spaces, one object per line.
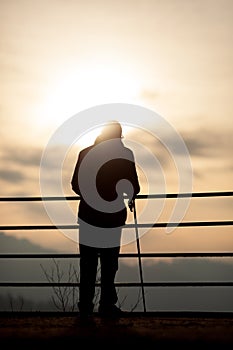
{"x":11,"y":244}
{"x":35,"y":269}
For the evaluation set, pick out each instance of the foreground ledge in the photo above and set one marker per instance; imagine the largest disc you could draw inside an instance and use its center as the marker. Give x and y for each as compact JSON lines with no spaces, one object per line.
{"x":36,"y":330}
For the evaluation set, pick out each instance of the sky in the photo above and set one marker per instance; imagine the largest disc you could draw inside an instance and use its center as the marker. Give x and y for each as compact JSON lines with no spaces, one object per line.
{"x":174,"y":57}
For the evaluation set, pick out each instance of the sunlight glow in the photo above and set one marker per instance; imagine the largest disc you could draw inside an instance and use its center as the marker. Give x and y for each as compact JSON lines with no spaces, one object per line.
{"x":86,"y":88}
{"x":89,"y":137}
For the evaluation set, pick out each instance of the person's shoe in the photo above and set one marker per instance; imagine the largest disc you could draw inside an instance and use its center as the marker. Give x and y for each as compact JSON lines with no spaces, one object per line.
{"x":86,"y":318}
{"x":85,"y":313}
{"x":111,"y":311}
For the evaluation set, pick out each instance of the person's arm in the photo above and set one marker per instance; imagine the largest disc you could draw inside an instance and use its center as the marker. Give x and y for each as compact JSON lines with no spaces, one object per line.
{"x":74,"y":180}
{"x":134,"y":181}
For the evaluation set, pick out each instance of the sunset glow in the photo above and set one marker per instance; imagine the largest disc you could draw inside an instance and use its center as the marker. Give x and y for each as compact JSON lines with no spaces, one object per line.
{"x":86,"y":87}
{"x":172,"y":57}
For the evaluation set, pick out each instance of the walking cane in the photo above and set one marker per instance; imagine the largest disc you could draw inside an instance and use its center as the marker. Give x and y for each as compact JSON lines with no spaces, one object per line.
{"x":139,"y":253}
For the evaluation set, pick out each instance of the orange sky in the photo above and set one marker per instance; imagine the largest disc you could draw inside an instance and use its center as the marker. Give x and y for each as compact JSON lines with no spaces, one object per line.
{"x":60,"y":57}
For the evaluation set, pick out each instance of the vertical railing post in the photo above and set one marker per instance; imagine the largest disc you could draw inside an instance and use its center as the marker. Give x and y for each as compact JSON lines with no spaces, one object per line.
{"x":139,"y":255}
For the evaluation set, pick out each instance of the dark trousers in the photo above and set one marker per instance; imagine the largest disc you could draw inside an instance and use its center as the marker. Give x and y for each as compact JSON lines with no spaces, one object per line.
{"x":88,"y":270}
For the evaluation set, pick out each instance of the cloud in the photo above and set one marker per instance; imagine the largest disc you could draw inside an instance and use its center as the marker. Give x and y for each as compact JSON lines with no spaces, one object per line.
{"x":20,"y":167}
{"x":196,"y":146}
{"x":12,"y":176}
{"x":22,"y":155}
{"x":22,"y":164}
{"x":11,"y":244}
{"x":212,"y":143}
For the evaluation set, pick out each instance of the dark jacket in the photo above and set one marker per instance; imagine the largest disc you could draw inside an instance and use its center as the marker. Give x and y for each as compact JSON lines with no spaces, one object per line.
{"x":114,"y":162}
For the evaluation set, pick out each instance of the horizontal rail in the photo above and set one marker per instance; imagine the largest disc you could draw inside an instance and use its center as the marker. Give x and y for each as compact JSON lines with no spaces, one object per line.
{"x":150,"y":225}
{"x":120,"y":284}
{"x":170,"y":284}
{"x":121,"y":255}
{"x":139,"y":196}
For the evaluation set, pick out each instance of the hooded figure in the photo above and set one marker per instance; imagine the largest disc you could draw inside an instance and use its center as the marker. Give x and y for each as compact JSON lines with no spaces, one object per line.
{"x":104,"y":173}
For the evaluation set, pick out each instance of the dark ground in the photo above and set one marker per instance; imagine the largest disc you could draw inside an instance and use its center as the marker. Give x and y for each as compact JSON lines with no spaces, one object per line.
{"x":59,"y":330}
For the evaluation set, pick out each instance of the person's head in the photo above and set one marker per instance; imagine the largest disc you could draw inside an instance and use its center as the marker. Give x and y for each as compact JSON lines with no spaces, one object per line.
{"x":111,"y":130}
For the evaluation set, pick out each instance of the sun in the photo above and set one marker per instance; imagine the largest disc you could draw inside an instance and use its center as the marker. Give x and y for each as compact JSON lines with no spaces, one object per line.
{"x":83,"y":88}
{"x":90,"y":136}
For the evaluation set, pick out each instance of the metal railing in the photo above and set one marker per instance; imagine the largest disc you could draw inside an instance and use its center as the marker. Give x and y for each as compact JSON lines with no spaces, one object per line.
{"x":121,"y":255}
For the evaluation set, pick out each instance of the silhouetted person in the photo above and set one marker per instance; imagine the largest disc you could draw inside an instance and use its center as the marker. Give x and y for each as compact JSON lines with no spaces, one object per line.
{"x":103,"y":174}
